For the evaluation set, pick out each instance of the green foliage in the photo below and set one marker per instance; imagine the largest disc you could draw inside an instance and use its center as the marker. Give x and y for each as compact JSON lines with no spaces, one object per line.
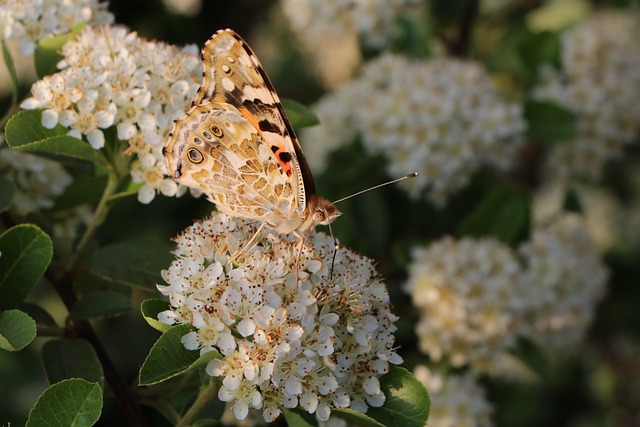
{"x":100,"y":304}
{"x":6,"y":193}
{"x":13,"y":77}
{"x":17,"y":330}
{"x":74,"y":403}
{"x":169,"y":358}
{"x":150,"y":309}
{"x":26,"y":252}
{"x":47,"y":54}
{"x":25,"y":132}
{"x":71,"y":358}
{"x":549,"y":123}
{"x":407,"y":402}
{"x":299,"y":115}
{"x":503,"y":213}
{"x":134,"y":264}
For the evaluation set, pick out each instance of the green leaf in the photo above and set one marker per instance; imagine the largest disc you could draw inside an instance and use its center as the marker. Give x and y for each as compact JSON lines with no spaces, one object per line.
{"x":11,"y":69}
{"x":503,"y":213}
{"x":168,"y":357}
{"x":73,"y":403}
{"x":39,"y":314}
{"x":100,"y":304}
{"x":7,"y":189}
{"x":150,"y":309}
{"x":549,"y":123}
{"x":71,"y":358}
{"x":132,"y":264}
{"x":25,"y":254}
{"x":299,"y":418}
{"x":25,"y":132}
{"x":541,"y":48}
{"x":17,"y":330}
{"x":25,"y":127}
{"x":47,"y":54}
{"x":64,"y":146}
{"x":355,"y":417}
{"x":407,"y":402}
{"x":299,"y":115}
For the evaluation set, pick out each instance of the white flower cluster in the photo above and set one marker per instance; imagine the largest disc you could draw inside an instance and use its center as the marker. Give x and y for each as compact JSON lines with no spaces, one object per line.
{"x":456,"y":400}
{"x":32,"y":20}
{"x":373,"y":20}
{"x":109,"y":76}
{"x":443,"y":118}
{"x":599,"y":82}
{"x":476,"y":296}
{"x":315,"y":336}
{"x":468,"y":295}
{"x":563,"y":280}
{"x":38,"y":180}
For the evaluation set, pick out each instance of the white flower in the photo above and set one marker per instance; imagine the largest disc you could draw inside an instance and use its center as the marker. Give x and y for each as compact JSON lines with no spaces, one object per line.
{"x":320,"y":341}
{"x":38,"y":180}
{"x":109,"y":76}
{"x":456,"y":400}
{"x":442,"y":118}
{"x":599,"y":83}
{"x":32,"y":20}
{"x":469,"y":301}
{"x":374,"y":20}
{"x":563,"y":281}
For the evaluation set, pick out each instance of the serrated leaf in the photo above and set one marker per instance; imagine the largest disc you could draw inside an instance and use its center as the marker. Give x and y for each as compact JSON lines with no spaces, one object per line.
{"x":168,"y":357}
{"x":502,"y":213}
{"x":17,"y":330}
{"x":407,"y":402}
{"x":25,"y":127}
{"x":24,"y":132}
{"x":100,"y":304}
{"x":71,"y":358}
{"x":150,"y":309}
{"x":549,"y":123}
{"x":65,"y":145}
{"x":69,"y":403}
{"x":131,"y":264}
{"x":7,"y":189}
{"x":26,"y":252}
{"x":299,"y":115}
{"x":299,"y":418}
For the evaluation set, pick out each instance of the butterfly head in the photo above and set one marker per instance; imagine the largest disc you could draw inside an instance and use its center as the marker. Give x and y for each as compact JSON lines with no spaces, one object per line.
{"x":324,"y":212}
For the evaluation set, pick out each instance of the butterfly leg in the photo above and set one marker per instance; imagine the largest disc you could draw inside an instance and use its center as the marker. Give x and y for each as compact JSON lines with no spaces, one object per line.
{"x":299,"y":254}
{"x":248,"y":244}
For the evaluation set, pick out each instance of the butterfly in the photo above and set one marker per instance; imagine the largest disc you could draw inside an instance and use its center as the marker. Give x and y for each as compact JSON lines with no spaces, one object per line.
{"x":237,"y":146}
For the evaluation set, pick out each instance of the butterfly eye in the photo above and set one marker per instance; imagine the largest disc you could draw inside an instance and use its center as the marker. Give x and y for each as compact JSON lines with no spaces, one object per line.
{"x":216,"y":130}
{"x":195,"y":156}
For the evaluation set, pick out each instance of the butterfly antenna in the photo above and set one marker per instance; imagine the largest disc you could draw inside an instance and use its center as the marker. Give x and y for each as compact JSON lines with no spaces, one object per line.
{"x":409,"y":176}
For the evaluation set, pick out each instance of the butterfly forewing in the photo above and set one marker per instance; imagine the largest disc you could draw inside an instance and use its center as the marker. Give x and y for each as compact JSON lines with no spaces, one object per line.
{"x":237,"y":146}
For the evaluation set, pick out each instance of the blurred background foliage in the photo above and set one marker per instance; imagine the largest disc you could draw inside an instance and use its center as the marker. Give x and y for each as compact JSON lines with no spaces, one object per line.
{"x":599,"y":385}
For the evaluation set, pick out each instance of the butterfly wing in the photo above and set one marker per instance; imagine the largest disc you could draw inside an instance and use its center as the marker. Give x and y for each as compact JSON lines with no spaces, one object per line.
{"x":237,"y":146}
{"x":217,"y":150}
{"x":236,"y":76}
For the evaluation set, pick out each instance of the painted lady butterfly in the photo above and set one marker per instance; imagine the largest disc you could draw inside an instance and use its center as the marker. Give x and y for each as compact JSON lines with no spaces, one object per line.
{"x":236,"y":145}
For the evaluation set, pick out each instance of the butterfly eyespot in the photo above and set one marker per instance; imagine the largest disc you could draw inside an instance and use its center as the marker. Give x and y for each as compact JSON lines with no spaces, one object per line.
{"x":216,"y":130}
{"x":195,"y":156}
{"x":197,"y":140}
{"x":206,"y":134}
